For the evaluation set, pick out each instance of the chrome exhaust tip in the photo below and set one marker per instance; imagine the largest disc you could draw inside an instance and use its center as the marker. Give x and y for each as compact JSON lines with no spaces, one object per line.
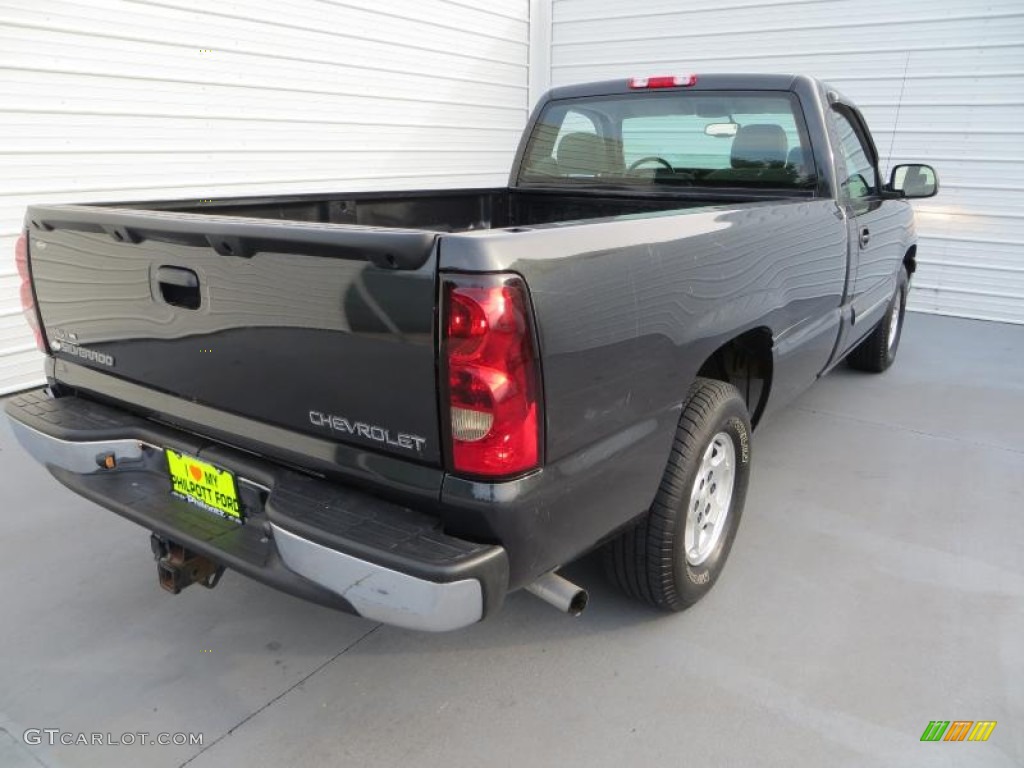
{"x":561,"y":593}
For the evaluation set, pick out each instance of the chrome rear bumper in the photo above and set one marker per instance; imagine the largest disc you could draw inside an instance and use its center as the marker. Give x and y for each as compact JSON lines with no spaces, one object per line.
{"x":303,"y":535}
{"x":380,"y":593}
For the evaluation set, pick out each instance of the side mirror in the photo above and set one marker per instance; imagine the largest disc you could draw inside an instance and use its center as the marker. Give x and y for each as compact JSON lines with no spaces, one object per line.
{"x":721,"y":130}
{"x":914,"y":180}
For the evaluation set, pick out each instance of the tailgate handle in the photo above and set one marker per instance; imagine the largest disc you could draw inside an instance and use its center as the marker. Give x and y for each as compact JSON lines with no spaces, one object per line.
{"x":179,"y":287}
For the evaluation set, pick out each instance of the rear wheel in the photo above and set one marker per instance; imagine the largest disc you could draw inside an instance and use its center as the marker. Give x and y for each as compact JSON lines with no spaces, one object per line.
{"x":675,"y":554}
{"x":878,"y":351}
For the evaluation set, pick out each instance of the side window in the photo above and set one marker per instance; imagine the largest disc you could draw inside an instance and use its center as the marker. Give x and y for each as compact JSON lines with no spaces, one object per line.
{"x":566,"y":143}
{"x":685,"y":141}
{"x":580,"y":150}
{"x":678,"y":139}
{"x":574,"y":122}
{"x":861,"y":178}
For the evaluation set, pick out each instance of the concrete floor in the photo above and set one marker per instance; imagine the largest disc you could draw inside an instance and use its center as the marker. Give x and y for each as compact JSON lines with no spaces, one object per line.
{"x":876,"y":584}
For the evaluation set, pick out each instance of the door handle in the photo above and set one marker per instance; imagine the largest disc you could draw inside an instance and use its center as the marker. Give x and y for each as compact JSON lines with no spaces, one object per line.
{"x":179,"y":287}
{"x":865,"y":237}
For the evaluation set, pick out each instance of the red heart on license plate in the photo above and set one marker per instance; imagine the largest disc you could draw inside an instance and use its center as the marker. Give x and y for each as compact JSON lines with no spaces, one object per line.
{"x":196,"y":472}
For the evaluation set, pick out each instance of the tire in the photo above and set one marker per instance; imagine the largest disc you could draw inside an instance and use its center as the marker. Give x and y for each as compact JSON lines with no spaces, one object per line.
{"x":648,"y":560}
{"x":878,"y":351}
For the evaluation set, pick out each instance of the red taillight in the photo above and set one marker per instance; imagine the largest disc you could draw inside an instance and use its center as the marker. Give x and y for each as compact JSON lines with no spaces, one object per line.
{"x":28,"y":301}
{"x":490,"y":376}
{"x":668,"y":81}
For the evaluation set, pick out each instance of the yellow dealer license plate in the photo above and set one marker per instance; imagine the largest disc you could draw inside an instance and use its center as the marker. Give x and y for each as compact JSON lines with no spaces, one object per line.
{"x":204,"y":485}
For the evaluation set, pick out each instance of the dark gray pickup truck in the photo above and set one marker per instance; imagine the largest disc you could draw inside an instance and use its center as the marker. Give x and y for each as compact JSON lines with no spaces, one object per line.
{"x":409,"y":404}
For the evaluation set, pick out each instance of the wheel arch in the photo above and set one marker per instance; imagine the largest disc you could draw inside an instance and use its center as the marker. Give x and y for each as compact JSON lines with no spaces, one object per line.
{"x":746,"y":362}
{"x":910,"y":260}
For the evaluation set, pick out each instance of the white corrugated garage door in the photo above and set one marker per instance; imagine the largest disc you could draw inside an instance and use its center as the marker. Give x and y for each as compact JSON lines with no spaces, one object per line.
{"x":131,"y":100}
{"x":947,"y":77}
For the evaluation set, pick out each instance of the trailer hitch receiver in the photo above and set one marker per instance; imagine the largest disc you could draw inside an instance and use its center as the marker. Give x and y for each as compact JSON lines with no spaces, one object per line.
{"x":177,"y":567}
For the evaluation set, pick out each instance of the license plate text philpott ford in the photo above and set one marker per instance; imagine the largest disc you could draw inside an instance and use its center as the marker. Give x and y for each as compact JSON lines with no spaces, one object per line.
{"x":204,"y":485}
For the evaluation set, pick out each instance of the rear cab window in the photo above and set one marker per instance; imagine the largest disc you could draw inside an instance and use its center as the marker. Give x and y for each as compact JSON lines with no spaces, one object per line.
{"x":713,"y":139}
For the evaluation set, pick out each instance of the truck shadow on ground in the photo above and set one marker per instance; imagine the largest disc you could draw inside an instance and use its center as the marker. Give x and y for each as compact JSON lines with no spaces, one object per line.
{"x":523,"y":620}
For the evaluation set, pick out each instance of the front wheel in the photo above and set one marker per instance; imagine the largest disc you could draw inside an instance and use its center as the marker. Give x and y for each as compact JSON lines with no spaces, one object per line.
{"x":673,"y":557}
{"x":878,"y":351}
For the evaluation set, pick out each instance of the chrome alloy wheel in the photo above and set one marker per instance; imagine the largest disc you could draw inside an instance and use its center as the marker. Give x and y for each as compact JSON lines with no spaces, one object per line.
{"x":894,"y":320}
{"x":710,"y":499}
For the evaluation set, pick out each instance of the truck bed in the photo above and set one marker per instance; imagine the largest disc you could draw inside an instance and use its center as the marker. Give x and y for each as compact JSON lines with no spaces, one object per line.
{"x":459,"y":210}
{"x":284,"y":310}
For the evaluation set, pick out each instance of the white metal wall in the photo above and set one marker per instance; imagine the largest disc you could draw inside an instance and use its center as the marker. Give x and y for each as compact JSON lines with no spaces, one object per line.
{"x":136,"y":99}
{"x":946,"y":76}
{"x":105,"y":100}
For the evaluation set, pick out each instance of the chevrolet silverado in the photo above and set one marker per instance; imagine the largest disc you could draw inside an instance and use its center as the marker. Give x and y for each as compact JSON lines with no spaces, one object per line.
{"x":409,"y":404}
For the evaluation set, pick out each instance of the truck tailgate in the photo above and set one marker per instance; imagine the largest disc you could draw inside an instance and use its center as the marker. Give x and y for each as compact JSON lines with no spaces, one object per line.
{"x":324,"y":329}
